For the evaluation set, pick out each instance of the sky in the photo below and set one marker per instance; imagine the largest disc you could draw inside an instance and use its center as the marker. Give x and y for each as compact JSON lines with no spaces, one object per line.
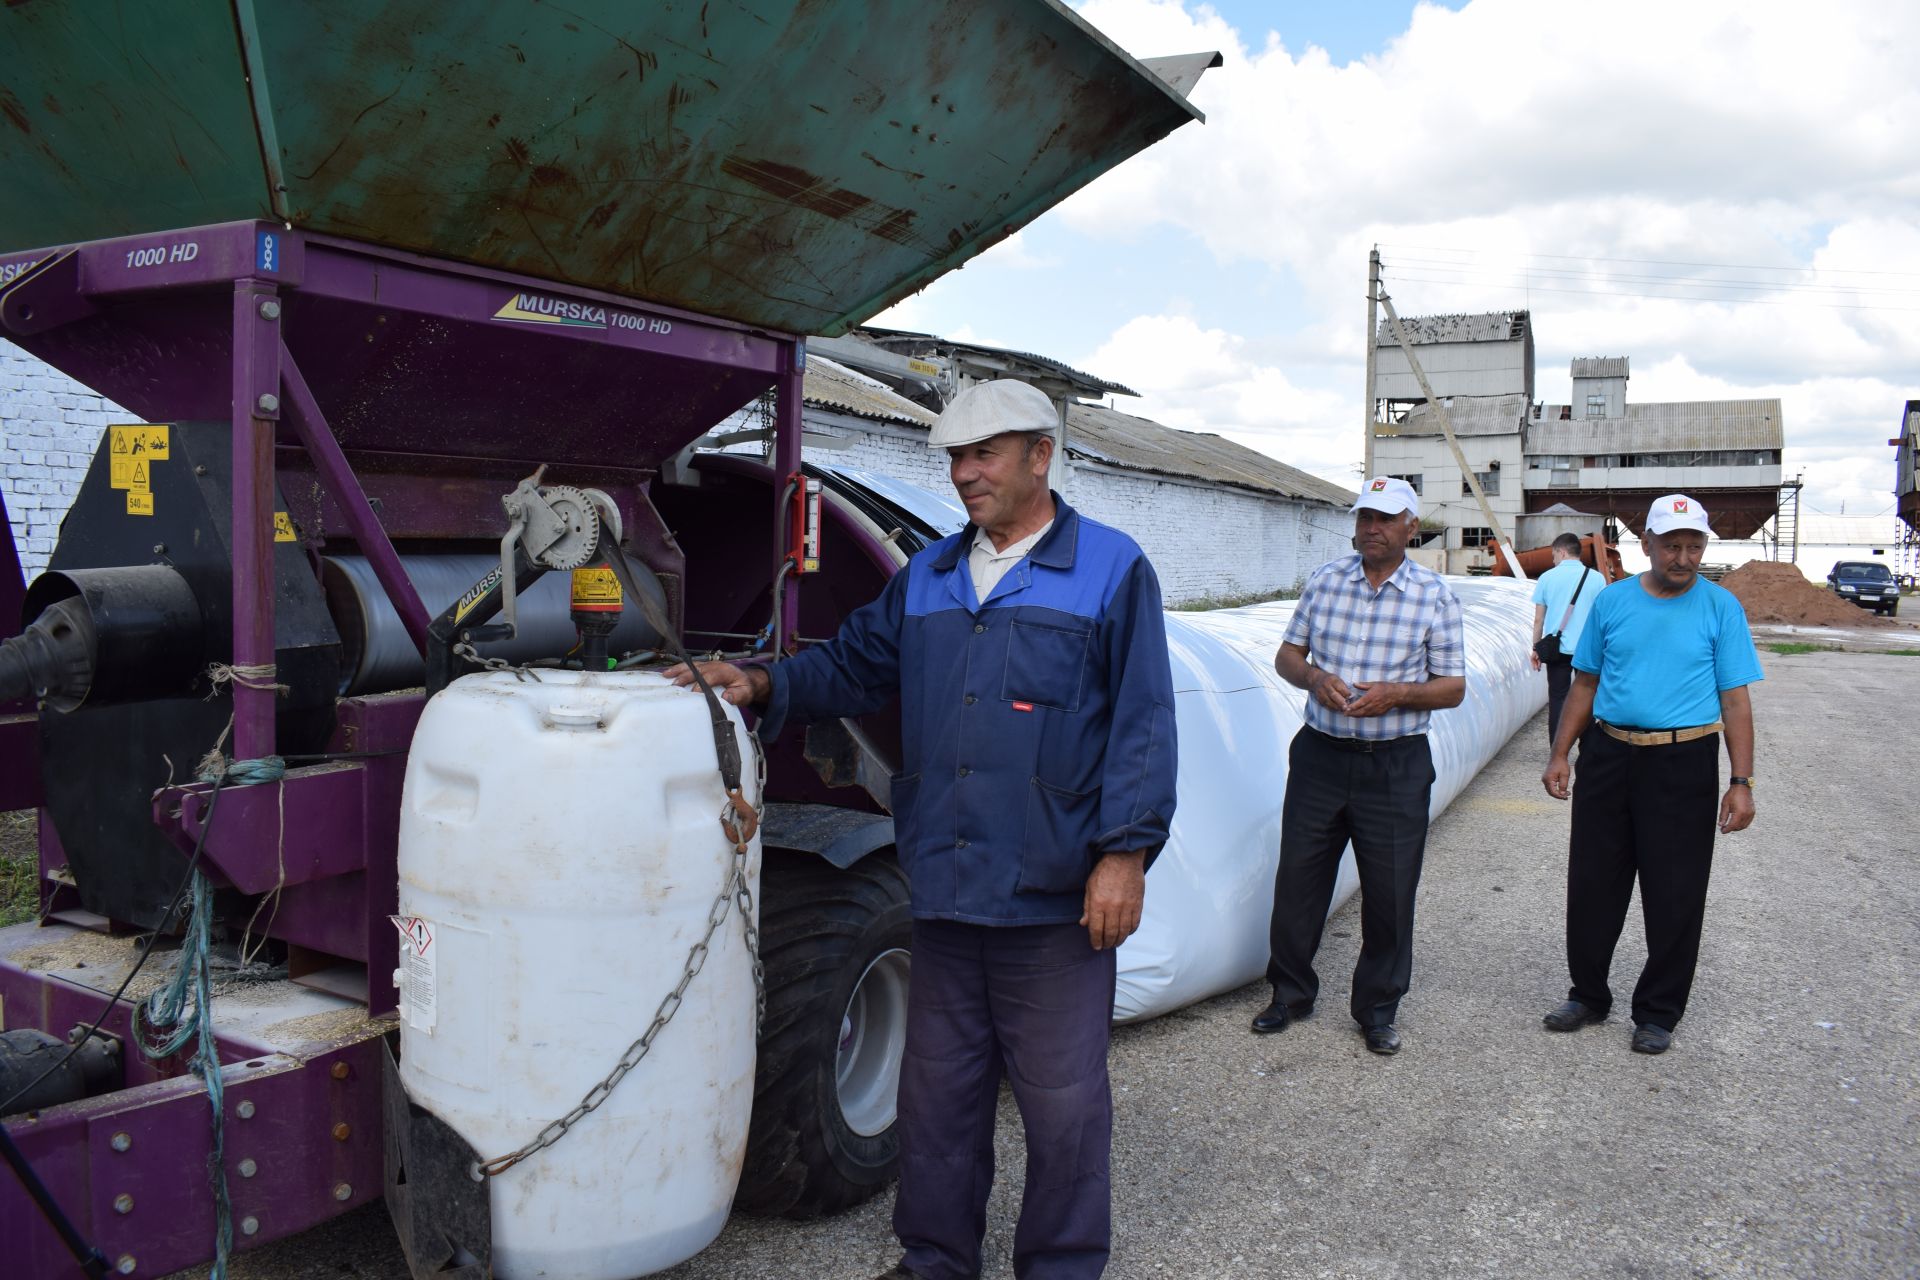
{"x":1724,"y":192}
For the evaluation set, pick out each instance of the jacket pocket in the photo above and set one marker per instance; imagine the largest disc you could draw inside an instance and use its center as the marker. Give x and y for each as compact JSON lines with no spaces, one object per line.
{"x":1058,"y":850}
{"x":903,"y":788}
{"x":1046,"y":664}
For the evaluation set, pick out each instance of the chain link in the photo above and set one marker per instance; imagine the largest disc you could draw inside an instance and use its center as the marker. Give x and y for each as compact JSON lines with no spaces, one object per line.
{"x":736,"y":891}
{"x":520,"y":672}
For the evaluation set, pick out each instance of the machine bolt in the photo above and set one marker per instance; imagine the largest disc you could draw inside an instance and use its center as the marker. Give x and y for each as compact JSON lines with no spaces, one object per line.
{"x":245,"y":1109}
{"x":123,"y":1203}
{"x":341,"y":1131}
{"x":199,"y":470}
{"x":159,"y":548}
{"x":122,"y":1141}
{"x":269,"y":309}
{"x":339,"y":1071}
{"x":343,"y":1192}
{"x":126,"y":1264}
{"x":248,"y":1168}
{"x":249,"y":1226}
{"x":268,"y":403}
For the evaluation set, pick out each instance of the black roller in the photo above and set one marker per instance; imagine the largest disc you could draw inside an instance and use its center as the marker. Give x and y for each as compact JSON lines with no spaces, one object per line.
{"x":107,"y":635}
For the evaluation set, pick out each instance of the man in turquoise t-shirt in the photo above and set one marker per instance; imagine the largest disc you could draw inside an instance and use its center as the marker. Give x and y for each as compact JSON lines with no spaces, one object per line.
{"x":1661,"y":672}
{"x":1564,"y":594}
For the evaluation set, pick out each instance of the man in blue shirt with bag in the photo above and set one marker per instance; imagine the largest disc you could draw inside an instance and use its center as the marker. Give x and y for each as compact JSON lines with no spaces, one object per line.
{"x":1660,"y":675}
{"x":1029,"y":654}
{"x":1565,"y":594}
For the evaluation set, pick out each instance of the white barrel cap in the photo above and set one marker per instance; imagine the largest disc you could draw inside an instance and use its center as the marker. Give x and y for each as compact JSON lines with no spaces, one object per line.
{"x":988,"y":409}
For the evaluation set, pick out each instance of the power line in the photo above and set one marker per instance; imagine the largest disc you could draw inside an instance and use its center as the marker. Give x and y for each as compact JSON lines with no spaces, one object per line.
{"x":1665,"y":262}
{"x":1660,"y":297}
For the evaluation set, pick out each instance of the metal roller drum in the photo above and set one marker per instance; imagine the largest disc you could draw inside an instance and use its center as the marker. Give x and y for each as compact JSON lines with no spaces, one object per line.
{"x":377,"y":655}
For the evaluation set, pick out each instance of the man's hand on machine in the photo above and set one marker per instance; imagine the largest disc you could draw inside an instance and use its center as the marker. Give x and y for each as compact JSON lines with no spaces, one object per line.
{"x":739,"y":685}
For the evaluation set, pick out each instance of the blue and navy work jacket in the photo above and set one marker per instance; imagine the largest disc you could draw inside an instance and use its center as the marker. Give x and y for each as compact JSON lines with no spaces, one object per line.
{"x":1037,"y":728}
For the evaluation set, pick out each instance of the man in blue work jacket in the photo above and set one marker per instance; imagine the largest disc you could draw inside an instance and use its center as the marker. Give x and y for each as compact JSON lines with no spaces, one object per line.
{"x":1029,"y":653}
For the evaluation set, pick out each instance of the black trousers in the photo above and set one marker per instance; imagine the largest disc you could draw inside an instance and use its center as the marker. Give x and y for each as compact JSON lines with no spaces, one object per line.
{"x":1378,"y":800}
{"x":1559,"y":680}
{"x":1651,"y":813}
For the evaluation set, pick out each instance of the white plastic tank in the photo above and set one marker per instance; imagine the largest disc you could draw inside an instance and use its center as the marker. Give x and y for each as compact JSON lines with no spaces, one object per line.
{"x":560,"y":851}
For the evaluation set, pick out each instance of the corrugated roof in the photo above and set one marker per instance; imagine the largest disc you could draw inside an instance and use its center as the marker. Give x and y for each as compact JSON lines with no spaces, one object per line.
{"x":835,"y":386}
{"x":1488,"y":326}
{"x":1470,"y":416}
{"x":1652,"y":428}
{"x":907,"y":341}
{"x":1600,"y":367}
{"x":1099,"y":434}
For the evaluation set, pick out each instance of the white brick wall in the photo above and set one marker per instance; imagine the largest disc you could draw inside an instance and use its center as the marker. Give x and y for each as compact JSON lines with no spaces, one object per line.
{"x":49,"y":428}
{"x":1204,"y":540}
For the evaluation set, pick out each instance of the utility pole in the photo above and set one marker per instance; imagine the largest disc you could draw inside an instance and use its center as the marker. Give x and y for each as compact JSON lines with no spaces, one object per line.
{"x":1373,"y":324}
{"x":1453,"y":442}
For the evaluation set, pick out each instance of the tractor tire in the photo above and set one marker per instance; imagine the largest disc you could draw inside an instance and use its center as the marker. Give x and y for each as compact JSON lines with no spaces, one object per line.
{"x":835,"y":945}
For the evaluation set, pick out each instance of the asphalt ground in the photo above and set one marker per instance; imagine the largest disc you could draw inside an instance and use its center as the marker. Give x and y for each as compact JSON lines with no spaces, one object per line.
{"x":1779,"y":1137}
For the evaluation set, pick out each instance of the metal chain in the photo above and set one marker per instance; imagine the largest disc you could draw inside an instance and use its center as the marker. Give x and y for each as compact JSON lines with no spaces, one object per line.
{"x":736,"y":890}
{"x":520,"y":672}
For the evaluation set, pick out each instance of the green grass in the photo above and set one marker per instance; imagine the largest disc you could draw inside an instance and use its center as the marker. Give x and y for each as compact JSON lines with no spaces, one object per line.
{"x":1791,"y":647}
{"x":19,"y":867}
{"x":1905,"y":653}
{"x":1211,"y":601}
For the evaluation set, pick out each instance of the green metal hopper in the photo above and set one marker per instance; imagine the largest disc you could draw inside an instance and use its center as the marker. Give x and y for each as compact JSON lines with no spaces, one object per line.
{"x":795,"y":165}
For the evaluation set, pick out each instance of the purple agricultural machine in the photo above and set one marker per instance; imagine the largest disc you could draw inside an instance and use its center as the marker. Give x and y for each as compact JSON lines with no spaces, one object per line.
{"x":420,"y":266}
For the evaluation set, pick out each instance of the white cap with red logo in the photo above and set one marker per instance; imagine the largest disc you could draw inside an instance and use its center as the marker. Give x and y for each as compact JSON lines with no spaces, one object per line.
{"x":1677,"y":511}
{"x":1389,"y":494}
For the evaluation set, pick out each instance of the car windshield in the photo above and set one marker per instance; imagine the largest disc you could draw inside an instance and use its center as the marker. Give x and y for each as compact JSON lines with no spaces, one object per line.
{"x":1877,"y":572}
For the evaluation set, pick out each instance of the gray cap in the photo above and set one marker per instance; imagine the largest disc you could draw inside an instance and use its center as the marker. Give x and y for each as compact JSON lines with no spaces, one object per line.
{"x":988,"y":409}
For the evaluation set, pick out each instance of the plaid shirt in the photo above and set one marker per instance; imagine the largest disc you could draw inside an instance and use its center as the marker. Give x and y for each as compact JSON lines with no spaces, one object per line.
{"x":1402,"y":633}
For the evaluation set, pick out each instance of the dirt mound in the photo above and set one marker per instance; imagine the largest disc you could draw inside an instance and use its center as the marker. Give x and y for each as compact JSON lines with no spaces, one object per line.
{"x":1775,"y":592}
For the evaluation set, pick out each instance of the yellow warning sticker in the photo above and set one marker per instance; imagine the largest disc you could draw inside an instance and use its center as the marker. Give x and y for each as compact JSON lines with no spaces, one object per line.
{"x":129,"y":473}
{"x":596,"y":590}
{"x":148,"y":442}
{"x":925,"y":367}
{"x":139,"y":503}
{"x":283,"y":528}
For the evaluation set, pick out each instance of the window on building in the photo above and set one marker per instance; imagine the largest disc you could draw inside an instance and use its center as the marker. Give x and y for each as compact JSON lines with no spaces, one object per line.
{"x":1489,"y":483}
{"x":1476,"y":536}
{"x":1413,"y":480}
{"x":1596,"y":406}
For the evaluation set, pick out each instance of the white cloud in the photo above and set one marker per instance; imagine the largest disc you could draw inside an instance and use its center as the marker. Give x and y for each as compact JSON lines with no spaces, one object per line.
{"x":1624,"y":138}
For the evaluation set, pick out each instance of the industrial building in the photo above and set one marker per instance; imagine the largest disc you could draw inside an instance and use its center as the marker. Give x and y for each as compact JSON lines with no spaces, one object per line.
{"x":1543,"y":467}
{"x":1906,"y":493}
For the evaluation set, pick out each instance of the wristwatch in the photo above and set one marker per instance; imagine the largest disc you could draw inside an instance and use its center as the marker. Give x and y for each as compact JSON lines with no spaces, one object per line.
{"x":1737,"y":781}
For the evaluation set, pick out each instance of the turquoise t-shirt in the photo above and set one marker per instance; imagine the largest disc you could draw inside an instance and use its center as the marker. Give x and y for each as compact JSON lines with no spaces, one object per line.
{"x":1662,"y":662}
{"x":1555,"y":589}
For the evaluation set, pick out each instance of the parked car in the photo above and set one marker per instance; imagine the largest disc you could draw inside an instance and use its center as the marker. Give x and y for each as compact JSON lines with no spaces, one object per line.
{"x":1867,"y":584}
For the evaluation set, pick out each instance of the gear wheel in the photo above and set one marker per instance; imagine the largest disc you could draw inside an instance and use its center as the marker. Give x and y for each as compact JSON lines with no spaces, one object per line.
{"x":580,"y":539}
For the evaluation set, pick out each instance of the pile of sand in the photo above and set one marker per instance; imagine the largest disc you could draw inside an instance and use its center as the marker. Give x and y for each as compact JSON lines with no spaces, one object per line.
{"x":1777,"y":592}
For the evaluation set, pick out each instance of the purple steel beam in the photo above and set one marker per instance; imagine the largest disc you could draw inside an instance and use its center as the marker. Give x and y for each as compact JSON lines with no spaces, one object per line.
{"x":256,"y":407}
{"x":335,"y":472}
{"x":305,"y":827}
{"x":789,"y":400}
{"x":19,"y":725}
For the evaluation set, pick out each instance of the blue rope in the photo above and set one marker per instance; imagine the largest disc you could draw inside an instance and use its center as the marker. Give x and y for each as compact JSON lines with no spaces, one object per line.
{"x":168,"y":1006}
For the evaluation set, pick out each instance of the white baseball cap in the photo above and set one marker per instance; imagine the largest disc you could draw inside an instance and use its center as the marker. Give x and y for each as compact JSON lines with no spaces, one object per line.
{"x":1389,"y":494}
{"x":1677,"y":511}
{"x":988,"y":409}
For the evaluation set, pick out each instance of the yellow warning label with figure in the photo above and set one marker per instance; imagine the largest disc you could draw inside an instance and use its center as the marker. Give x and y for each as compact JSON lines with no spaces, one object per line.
{"x":596,"y":590}
{"x":129,"y":473}
{"x":147,"y":442}
{"x":139,"y":503}
{"x":283,"y":528}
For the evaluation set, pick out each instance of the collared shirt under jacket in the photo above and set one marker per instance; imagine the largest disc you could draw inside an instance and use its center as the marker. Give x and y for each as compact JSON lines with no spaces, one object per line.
{"x":1037,"y":729}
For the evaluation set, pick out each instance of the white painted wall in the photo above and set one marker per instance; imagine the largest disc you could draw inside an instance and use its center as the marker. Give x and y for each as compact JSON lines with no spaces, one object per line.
{"x":49,"y":428}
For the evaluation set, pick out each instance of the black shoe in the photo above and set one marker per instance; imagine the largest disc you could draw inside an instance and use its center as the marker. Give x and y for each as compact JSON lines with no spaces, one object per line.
{"x":1572,"y":1015}
{"x":1382,"y":1039}
{"x":1277,"y":1015}
{"x":1648,"y":1038}
{"x":901,"y":1271}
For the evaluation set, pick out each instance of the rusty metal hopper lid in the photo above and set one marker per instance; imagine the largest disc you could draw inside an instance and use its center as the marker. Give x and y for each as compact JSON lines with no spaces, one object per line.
{"x":793,"y":166}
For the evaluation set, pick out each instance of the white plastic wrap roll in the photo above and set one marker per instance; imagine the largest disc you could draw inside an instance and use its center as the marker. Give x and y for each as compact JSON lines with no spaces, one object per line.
{"x":1210,"y":894}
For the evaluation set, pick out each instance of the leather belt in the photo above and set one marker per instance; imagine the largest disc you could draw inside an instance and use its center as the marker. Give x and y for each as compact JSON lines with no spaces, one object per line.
{"x":1364,"y":745}
{"x":1660,"y":737}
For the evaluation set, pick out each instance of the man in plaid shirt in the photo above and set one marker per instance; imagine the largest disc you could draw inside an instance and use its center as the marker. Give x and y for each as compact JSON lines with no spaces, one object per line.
{"x":1377,"y":643}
